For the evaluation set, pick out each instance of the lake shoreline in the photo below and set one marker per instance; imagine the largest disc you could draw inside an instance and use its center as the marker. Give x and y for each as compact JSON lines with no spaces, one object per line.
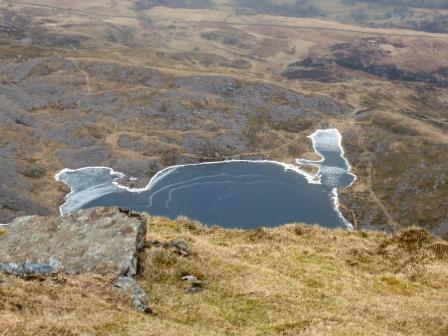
{"x":310,"y":178}
{"x":318,"y":163}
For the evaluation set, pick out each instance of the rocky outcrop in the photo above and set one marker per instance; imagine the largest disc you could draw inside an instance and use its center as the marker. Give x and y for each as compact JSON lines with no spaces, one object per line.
{"x":101,"y":240}
{"x":131,"y":287}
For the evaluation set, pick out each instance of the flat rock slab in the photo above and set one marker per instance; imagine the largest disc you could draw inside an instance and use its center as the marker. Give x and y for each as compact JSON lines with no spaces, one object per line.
{"x":99,"y":240}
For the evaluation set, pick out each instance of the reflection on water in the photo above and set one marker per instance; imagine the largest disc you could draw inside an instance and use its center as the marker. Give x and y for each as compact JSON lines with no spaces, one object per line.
{"x":244,"y":194}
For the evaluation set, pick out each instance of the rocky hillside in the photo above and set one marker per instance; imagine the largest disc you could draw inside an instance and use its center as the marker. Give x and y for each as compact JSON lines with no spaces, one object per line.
{"x":138,"y":87}
{"x":163,"y":121}
{"x":295,"y":279}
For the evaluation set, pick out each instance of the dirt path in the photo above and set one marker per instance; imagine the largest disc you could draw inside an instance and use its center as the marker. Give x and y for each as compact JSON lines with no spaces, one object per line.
{"x":71,"y":10}
{"x":394,"y":225}
{"x":87,"y":86}
{"x":304,"y":27}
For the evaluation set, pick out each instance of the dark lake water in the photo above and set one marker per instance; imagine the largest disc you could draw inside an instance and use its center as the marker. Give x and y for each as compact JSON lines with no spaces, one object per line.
{"x":242,"y":194}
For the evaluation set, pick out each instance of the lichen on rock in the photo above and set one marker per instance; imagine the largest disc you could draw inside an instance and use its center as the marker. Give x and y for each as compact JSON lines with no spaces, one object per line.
{"x":101,"y":240}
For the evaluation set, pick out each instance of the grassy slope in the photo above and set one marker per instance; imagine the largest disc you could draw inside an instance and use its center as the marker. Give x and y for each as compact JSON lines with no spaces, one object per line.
{"x":285,"y":281}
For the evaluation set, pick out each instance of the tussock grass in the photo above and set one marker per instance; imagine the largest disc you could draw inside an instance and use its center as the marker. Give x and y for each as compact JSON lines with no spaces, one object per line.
{"x":291,"y":280}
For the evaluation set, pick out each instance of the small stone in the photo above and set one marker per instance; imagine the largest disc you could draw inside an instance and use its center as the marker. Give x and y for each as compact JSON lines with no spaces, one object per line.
{"x":132,"y":288}
{"x":190,"y":278}
{"x":152,"y":243}
{"x":179,"y":245}
{"x":195,"y":289}
{"x":196,"y":284}
{"x":182,"y":253}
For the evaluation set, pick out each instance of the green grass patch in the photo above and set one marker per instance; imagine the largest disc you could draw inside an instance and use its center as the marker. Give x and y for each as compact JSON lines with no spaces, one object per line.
{"x":392,"y":285}
{"x":3,"y":232}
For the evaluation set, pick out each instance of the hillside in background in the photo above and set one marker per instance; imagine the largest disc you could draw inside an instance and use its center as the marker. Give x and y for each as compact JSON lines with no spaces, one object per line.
{"x":139,"y":87}
{"x":423,"y":15}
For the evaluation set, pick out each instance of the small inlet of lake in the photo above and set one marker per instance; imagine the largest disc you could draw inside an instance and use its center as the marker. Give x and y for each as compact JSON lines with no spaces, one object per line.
{"x":233,"y":194}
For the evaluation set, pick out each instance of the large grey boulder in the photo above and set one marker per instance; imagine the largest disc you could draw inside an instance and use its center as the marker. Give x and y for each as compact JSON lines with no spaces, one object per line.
{"x":99,"y":240}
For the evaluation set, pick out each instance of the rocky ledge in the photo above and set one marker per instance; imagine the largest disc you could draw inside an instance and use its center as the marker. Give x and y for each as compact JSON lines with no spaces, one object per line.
{"x":101,"y":240}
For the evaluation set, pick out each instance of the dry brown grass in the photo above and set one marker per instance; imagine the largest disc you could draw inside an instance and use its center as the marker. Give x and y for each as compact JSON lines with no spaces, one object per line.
{"x":291,"y":280}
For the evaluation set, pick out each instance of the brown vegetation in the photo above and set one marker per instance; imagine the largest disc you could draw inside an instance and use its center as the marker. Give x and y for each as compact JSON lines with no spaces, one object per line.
{"x":399,"y":80}
{"x":291,"y":280}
